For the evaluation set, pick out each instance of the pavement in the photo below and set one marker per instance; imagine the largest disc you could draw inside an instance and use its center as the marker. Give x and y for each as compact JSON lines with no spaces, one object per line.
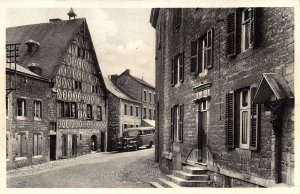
{"x":99,"y":170}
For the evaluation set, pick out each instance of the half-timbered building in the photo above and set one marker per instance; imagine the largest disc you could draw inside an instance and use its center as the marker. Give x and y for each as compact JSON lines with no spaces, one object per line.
{"x":62,"y":52}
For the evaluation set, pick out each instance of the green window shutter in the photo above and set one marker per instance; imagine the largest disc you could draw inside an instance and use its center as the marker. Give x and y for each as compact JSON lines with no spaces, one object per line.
{"x":210,"y":37}
{"x":229,"y":120}
{"x":255,"y":121}
{"x":231,"y":35}
{"x":181,"y":68}
{"x":253,"y":27}
{"x":181,"y":116}
{"x":172,"y":73}
{"x":194,"y":57}
{"x":172,"y":125}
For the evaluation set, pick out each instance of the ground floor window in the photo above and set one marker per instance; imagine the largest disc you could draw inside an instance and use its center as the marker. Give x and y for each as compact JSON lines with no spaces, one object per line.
{"x":22,"y":145}
{"x":177,"y":114}
{"x":37,"y":144}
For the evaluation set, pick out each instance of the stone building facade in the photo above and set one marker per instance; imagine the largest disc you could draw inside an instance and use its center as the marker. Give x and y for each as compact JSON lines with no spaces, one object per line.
{"x":62,"y":53}
{"x":224,"y":93}
{"x":29,"y":110}
{"x":139,"y":90}
{"x":123,"y":112}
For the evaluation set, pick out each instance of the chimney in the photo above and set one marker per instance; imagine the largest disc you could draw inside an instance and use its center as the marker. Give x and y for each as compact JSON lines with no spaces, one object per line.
{"x":127,"y":71}
{"x":113,"y":77}
{"x":55,"y":20}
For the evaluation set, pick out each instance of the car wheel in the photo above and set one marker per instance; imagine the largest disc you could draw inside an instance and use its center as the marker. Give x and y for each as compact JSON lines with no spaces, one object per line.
{"x":135,"y":147}
{"x":150,"y":144}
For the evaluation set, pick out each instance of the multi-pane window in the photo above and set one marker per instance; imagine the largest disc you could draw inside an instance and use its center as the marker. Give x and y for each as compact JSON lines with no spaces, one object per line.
{"x":53,"y":126}
{"x":177,"y":114}
{"x":21,"y":107}
{"x":202,"y":53}
{"x":150,"y":115}
{"x":99,"y":113}
{"x":150,"y":97}
{"x":177,"y":73}
{"x":246,"y":29}
{"x":89,"y":111}
{"x":37,"y":144}
{"x":22,"y":145}
{"x":60,"y":108}
{"x":37,"y":109}
{"x":67,"y":109}
{"x":145,"y":112}
{"x":145,"y":96}
{"x":244,"y":111}
{"x":77,"y":84}
{"x":241,"y":31}
{"x":131,"y":110}
{"x":242,"y":119}
{"x":73,"y":110}
{"x":137,"y":111}
{"x":125,"y":109}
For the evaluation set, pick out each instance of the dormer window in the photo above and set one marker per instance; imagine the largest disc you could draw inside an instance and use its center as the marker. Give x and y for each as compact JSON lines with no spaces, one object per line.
{"x":35,"y":68}
{"x":32,"y":44}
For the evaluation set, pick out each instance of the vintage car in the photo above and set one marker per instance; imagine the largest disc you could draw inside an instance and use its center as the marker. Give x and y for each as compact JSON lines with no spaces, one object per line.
{"x":134,"y":138}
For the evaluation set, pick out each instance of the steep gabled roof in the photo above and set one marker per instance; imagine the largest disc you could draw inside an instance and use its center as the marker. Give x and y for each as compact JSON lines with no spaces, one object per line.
{"x":127,"y":72}
{"x":116,"y":90}
{"x":53,"y":38}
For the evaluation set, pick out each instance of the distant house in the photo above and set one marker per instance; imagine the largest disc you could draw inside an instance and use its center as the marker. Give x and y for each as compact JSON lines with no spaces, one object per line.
{"x":123,"y":112}
{"x":141,"y":91}
{"x":75,"y":122}
{"x":225,"y":100}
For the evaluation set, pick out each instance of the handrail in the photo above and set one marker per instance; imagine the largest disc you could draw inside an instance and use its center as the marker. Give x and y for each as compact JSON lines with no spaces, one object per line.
{"x":190,"y":153}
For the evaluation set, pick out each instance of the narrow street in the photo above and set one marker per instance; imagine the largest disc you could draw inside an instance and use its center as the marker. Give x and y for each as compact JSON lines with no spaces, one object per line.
{"x":107,"y":170}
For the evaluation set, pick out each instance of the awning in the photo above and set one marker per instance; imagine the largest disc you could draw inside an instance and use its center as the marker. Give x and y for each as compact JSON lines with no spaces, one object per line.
{"x":272,"y":87}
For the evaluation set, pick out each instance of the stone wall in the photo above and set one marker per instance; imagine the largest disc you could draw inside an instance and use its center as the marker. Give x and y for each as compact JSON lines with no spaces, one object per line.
{"x":113,"y":122}
{"x":273,"y":54}
{"x":30,"y":89}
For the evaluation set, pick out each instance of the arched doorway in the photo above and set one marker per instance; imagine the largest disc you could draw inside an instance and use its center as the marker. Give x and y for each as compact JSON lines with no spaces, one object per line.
{"x":93,"y":143}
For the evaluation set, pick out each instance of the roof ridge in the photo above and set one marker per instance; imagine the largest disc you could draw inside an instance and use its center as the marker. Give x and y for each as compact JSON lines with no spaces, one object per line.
{"x":45,"y":23}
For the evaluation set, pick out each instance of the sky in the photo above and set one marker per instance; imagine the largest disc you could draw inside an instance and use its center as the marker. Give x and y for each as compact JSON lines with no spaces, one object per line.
{"x":123,"y":37}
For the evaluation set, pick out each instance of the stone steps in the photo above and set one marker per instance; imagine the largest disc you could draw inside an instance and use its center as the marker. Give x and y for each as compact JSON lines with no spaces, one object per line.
{"x":189,"y":176}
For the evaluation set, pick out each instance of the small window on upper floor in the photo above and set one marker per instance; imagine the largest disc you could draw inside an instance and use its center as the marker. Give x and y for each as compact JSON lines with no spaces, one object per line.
{"x":177,"y":73}
{"x":21,"y":107}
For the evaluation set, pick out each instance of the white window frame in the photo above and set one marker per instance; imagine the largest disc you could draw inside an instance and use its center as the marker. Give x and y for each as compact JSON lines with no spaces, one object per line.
{"x":205,"y":49}
{"x":245,"y":24}
{"x":243,"y":109}
{"x":23,"y":100}
{"x":37,"y":110}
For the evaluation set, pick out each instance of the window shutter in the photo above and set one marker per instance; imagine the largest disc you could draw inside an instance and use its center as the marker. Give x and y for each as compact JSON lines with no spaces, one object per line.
{"x":181,"y":68}
{"x":229,"y":120}
{"x":181,"y":113}
{"x":200,"y":53}
{"x":255,"y":121}
{"x":210,"y":36}
{"x":25,"y":112}
{"x":40,"y":143}
{"x":172,"y":73}
{"x":24,"y":145}
{"x":35,"y":145}
{"x":194,"y":57}
{"x":172,"y":125}
{"x":253,"y":27}
{"x":19,"y":140}
{"x":231,"y":35}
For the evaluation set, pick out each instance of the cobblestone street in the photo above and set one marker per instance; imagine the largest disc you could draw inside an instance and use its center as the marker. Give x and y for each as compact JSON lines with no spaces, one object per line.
{"x":108,"y":170}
